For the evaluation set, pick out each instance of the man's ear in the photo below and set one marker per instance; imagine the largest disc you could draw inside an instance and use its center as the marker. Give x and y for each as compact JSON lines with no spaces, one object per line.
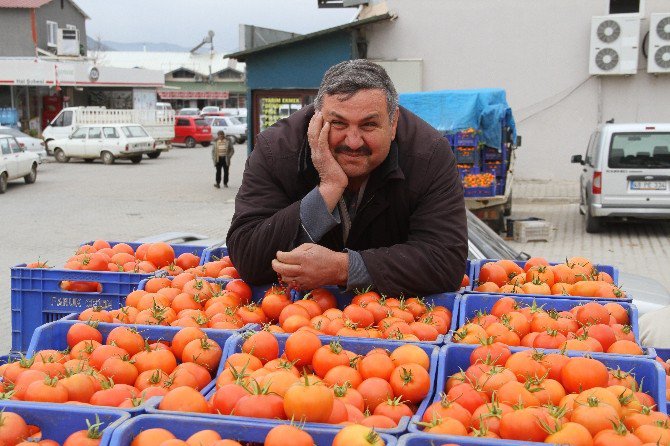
{"x":394,"y":124}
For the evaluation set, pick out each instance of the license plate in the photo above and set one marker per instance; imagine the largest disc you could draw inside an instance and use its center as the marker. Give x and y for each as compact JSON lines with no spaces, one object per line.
{"x":648,"y":185}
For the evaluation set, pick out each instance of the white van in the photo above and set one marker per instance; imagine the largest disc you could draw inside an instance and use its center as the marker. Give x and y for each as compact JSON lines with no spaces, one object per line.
{"x":626,"y":173}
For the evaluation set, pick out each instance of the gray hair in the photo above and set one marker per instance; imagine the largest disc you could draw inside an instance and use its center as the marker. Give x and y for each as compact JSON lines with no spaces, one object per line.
{"x":349,"y":77}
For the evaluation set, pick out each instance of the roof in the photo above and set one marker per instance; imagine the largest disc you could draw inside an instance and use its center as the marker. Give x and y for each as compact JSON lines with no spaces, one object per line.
{"x":242,"y":55}
{"x":32,"y":4}
{"x":167,"y":62}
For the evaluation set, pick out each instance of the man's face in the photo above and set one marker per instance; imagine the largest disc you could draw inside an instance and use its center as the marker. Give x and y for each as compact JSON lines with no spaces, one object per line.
{"x":360,"y":132}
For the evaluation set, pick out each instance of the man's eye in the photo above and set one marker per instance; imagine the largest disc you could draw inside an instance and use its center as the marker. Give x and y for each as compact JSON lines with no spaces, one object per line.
{"x":370,"y":125}
{"x":337,"y":123}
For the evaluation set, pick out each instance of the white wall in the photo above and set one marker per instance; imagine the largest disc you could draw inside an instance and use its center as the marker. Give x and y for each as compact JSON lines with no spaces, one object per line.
{"x":538,"y":51}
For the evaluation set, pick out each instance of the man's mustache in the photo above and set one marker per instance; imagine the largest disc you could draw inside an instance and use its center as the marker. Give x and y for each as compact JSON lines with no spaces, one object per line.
{"x":362,"y":150}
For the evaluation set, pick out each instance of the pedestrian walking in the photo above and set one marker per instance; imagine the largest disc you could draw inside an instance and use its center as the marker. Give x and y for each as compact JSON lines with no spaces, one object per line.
{"x":222,"y":152}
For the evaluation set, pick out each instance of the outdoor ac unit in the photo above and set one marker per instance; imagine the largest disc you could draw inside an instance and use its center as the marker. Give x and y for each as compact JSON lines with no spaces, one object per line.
{"x":67,"y":43}
{"x":658,"y":60}
{"x":614,"y":44}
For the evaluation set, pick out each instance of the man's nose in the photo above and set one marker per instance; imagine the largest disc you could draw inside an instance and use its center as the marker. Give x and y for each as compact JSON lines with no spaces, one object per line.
{"x":353,"y":138}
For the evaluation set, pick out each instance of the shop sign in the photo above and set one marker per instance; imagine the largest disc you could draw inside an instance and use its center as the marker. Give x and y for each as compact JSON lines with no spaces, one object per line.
{"x":169,"y":94}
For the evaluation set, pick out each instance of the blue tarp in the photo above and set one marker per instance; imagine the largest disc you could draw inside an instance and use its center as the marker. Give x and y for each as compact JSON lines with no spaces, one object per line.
{"x":453,"y":110}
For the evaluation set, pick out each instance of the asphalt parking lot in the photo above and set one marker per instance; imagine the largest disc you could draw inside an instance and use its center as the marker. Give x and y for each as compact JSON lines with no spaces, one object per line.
{"x":77,"y":202}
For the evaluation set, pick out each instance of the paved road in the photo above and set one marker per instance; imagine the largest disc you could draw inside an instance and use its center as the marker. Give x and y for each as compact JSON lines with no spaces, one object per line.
{"x":76,"y":202}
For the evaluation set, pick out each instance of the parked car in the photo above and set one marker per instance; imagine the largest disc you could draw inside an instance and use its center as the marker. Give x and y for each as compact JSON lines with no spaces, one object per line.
{"x":29,"y":143}
{"x":209,"y":109}
{"x":16,"y":162}
{"x":626,"y":174}
{"x":230,"y":125}
{"x":105,"y":141}
{"x":163,"y":108}
{"x":189,"y":112}
{"x":191,"y":130}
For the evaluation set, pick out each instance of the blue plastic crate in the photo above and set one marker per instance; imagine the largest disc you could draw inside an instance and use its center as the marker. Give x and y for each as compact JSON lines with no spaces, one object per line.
{"x":462,"y":139}
{"x":359,"y":346}
{"x":244,"y":432}
{"x":663,"y":353}
{"x":495,"y":169}
{"x":451,"y":138}
{"x":611,"y":270}
{"x":470,"y":304}
{"x":213,"y":253}
{"x":59,"y":421}
{"x":493,"y":154}
{"x":466,"y":155}
{"x":37,"y":298}
{"x":53,"y":336}
{"x":500,"y":186}
{"x":470,"y":170}
{"x":488,"y":191}
{"x":456,"y":357}
{"x":421,"y":439}
{"x":448,"y":300}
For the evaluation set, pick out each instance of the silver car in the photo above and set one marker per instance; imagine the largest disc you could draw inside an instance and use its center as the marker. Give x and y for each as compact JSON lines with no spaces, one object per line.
{"x":230,"y":125}
{"x":626,"y":174}
{"x":30,"y":144}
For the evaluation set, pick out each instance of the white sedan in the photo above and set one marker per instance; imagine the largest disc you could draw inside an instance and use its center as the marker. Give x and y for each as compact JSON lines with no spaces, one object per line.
{"x":105,"y":141}
{"x":29,"y":143}
{"x":16,"y":162}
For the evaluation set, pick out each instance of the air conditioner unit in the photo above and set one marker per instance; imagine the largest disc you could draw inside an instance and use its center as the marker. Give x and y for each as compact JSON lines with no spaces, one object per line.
{"x":614,"y":44}
{"x":658,"y":60}
{"x":67,"y":43}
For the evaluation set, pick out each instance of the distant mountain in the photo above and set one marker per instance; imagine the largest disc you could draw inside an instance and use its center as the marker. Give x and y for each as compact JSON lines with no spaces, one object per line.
{"x":106,"y":45}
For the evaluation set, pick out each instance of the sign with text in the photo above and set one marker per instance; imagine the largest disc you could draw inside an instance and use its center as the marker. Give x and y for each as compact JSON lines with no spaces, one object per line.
{"x":272,"y":109}
{"x":170,"y":94}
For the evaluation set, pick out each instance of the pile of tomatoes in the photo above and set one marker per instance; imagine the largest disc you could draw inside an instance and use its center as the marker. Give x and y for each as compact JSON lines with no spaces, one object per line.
{"x":185,"y":301}
{"x":14,"y":431}
{"x":277,"y":436}
{"x":478,"y":180}
{"x":123,"y":371}
{"x":369,"y":315}
{"x":553,"y":398}
{"x":312,"y":382}
{"x":666,"y":368}
{"x":592,"y":327}
{"x":576,"y":277}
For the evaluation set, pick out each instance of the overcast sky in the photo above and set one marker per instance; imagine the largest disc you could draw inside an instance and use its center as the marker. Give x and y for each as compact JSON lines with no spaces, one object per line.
{"x":186,"y":22}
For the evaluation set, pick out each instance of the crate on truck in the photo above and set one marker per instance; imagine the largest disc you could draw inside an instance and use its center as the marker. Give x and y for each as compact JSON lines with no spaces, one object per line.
{"x":159,"y":123}
{"x":481,"y":130}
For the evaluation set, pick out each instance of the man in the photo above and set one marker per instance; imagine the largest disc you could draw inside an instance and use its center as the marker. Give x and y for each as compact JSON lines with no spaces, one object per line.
{"x":354,"y":191}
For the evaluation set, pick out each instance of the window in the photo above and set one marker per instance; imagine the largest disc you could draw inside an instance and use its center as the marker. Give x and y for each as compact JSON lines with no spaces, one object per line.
{"x":52,"y":33}
{"x":201,"y":122}
{"x":649,"y":150}
{"x":110,"y":132}
{"x":591,"y":148}
{"x":95,"y":133}
{"x":4,"y":143}
{"x":134,"y":131}
{"x":14,"y":145}
{"x":66,"y":118}
{"x":70,"y":27}
{"x":624,"y":6}
{"x":182,"y":122}
{"x":221,"y":123}
{"x":80,"y":133}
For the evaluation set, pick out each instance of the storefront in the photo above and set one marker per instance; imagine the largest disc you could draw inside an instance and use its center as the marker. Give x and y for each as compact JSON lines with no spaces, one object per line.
{"x":39,"y":88}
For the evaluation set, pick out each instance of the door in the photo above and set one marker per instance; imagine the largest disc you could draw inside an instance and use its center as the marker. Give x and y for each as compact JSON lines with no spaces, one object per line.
{"x":8,"y":159}
{"x":636,"y":170}
{"x":181,"y":129}
{"x":112,"y":139}
{"x":61,"y":127}
{"x":23,"y":163}
{"x":95,"y":143}
{"x":75,"y":146}
{"x":586,"y":177}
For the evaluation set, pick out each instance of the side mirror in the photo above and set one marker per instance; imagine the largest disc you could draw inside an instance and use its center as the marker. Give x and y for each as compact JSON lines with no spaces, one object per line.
{"x":577,"y":159}
{"x":518,"y":141}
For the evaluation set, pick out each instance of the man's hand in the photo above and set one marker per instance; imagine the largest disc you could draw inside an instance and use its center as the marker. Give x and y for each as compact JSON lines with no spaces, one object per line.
{"x":332,"y":179}
{"x":312,"y":266}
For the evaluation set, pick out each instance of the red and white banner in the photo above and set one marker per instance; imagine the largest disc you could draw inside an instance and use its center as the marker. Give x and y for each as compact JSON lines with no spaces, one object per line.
{"x":172,"y":94}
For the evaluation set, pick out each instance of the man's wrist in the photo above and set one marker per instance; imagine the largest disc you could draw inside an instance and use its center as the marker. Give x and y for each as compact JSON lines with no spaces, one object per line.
{"x":331,"y":194}
{"x":342,"y":262}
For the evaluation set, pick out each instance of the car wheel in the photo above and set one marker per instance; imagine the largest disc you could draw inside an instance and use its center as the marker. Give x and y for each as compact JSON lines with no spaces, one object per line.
{"x":60,"y":156}
{"x":154,"y":155}
{"x":88,"y":160}
{"x":3,"y":182}
{"x":593,"y":224}
{"x":107,"y":157}
{"x":32,"y":176}
{"x":205,"y":144}
{"x":136,"y":159}
{"x":190,"y":142}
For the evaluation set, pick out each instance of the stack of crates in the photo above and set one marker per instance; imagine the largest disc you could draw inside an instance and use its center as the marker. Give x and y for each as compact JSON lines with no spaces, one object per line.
{"x":469,"y":159}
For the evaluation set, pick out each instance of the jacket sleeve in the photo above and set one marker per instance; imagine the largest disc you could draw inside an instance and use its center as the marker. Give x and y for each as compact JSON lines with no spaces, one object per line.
{"x":266,"y":219}
{"x":434,"y":256}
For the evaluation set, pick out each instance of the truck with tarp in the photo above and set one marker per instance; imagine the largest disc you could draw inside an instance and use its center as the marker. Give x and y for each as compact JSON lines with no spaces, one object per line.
{"x":481,"y":130}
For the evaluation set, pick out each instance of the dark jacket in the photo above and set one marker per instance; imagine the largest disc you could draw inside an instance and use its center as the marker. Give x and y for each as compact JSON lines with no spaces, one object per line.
{"x":410,"y":229}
